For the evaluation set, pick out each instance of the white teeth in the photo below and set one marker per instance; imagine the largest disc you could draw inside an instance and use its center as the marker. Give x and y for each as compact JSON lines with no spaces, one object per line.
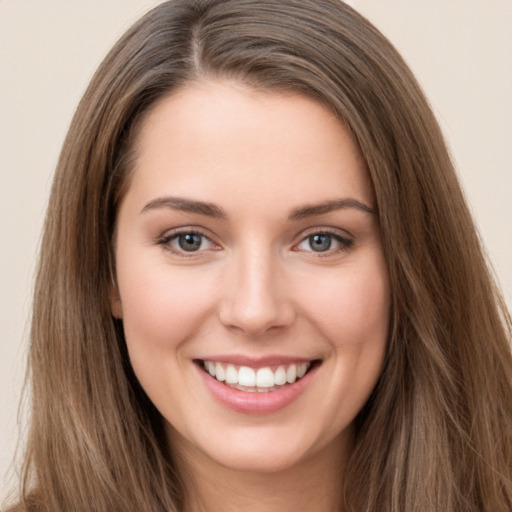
{"x":246,"y":377}
{"x":301,"y":370}
{"x":291,"y":373}
{"x":263,"y":379}
{"x":231,"y":374}
{"x":280,"y":376}
{"x":220,"y":374}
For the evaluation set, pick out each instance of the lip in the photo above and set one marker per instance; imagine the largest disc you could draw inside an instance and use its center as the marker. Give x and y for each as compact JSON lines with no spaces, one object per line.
{"x":254,"y":362}
{"x":256,"y":403}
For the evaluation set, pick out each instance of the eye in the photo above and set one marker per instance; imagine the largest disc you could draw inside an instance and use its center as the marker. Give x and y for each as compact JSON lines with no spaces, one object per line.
{"x":189,"y":242}
{"x":186,"y":242}
{"x":324,"y":242}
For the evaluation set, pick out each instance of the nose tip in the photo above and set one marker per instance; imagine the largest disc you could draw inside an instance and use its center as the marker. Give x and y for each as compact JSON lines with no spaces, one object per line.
{"x":256,"y":301}
{"x":254,"y":321}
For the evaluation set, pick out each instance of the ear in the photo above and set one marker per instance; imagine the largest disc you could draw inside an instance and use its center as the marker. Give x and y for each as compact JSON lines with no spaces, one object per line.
{"x":116,"y":306}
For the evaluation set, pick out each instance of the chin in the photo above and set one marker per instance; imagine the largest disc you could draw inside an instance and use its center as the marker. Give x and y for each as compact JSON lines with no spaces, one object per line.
{"x":261,"y":449}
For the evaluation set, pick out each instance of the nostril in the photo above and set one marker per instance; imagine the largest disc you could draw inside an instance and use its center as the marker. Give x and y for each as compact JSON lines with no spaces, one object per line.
{"x":254,"y":300}
{"x":255,"y":321}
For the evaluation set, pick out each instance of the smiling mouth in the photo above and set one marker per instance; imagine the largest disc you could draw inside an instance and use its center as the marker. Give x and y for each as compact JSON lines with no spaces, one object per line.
{"x":261,"y":380}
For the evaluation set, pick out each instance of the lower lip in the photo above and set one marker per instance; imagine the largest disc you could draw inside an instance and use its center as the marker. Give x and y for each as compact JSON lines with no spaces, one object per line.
{"x":256,"y":402}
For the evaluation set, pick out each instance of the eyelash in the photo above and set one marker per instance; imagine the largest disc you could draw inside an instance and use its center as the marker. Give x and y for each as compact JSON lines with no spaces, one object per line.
{"x":344,"y":243}
{"x":166,"y":242}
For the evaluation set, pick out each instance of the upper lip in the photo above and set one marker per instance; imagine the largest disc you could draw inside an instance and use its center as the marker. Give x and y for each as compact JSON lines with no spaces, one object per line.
{"x":256,"y":362}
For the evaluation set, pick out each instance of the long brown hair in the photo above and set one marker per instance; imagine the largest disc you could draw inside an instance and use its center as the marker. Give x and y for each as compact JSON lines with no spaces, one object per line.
{"x":436,"y":433}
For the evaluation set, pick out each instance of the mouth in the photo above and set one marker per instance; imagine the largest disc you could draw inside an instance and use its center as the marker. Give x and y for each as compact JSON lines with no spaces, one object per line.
{"x":263,"y":379}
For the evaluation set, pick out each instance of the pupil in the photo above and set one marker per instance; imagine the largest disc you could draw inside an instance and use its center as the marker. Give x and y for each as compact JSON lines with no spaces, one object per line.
{"x":320,"y":242}
{"x":190,"y":242}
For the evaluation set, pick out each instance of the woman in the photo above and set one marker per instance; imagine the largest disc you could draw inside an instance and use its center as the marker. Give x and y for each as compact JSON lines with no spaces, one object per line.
{"x":260,"y":287}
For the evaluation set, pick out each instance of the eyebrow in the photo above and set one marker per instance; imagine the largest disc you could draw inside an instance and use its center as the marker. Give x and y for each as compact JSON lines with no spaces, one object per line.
{"x":212,"y":210}
{"x":329,"y":206}
{"x":186,"y":205}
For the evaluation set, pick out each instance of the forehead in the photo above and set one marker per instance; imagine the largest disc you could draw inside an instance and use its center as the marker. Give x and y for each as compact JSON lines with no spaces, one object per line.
{"x":228,"y":140}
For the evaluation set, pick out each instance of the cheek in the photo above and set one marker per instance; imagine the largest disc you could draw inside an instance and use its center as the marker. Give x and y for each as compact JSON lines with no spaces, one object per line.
{"x":162,"y":305}
{"x":352,"y":309}
{"x":352,"y":314}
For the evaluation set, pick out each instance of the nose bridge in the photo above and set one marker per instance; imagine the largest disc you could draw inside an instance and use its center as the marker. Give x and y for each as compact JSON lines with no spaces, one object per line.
{"x":255,"y":298}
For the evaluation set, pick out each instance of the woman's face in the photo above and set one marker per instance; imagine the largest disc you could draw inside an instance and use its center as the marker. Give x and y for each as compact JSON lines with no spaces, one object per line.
{"x":248,"y":253}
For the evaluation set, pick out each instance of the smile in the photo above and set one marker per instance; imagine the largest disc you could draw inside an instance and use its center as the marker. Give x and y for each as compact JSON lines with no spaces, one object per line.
{"x":262,"y":380}
{"x":261,"y":387}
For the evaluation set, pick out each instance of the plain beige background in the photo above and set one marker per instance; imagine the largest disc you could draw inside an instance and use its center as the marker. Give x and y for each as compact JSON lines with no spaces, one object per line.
{"x":461,"y":51}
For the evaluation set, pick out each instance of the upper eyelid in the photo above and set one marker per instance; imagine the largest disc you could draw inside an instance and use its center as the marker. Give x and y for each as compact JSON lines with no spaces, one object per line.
{"x":171,"y":233}
{"x":342,"y":233}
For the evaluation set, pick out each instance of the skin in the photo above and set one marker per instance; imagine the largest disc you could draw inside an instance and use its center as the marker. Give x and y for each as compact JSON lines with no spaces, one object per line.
{"x":255,"y":287}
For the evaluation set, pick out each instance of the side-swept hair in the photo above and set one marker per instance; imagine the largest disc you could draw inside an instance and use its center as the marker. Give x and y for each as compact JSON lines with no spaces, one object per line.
{"x":436,"y":434}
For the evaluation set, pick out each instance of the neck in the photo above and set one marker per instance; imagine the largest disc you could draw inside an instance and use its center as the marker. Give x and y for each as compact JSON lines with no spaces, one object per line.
{"x":311,"y":485}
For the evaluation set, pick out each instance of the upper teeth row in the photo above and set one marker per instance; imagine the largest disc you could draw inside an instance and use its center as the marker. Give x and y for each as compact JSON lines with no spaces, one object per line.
{"x":262,"y":378}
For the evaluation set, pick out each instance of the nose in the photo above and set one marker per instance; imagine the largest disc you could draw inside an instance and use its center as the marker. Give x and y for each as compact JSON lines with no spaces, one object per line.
{"x":255,"y":295}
